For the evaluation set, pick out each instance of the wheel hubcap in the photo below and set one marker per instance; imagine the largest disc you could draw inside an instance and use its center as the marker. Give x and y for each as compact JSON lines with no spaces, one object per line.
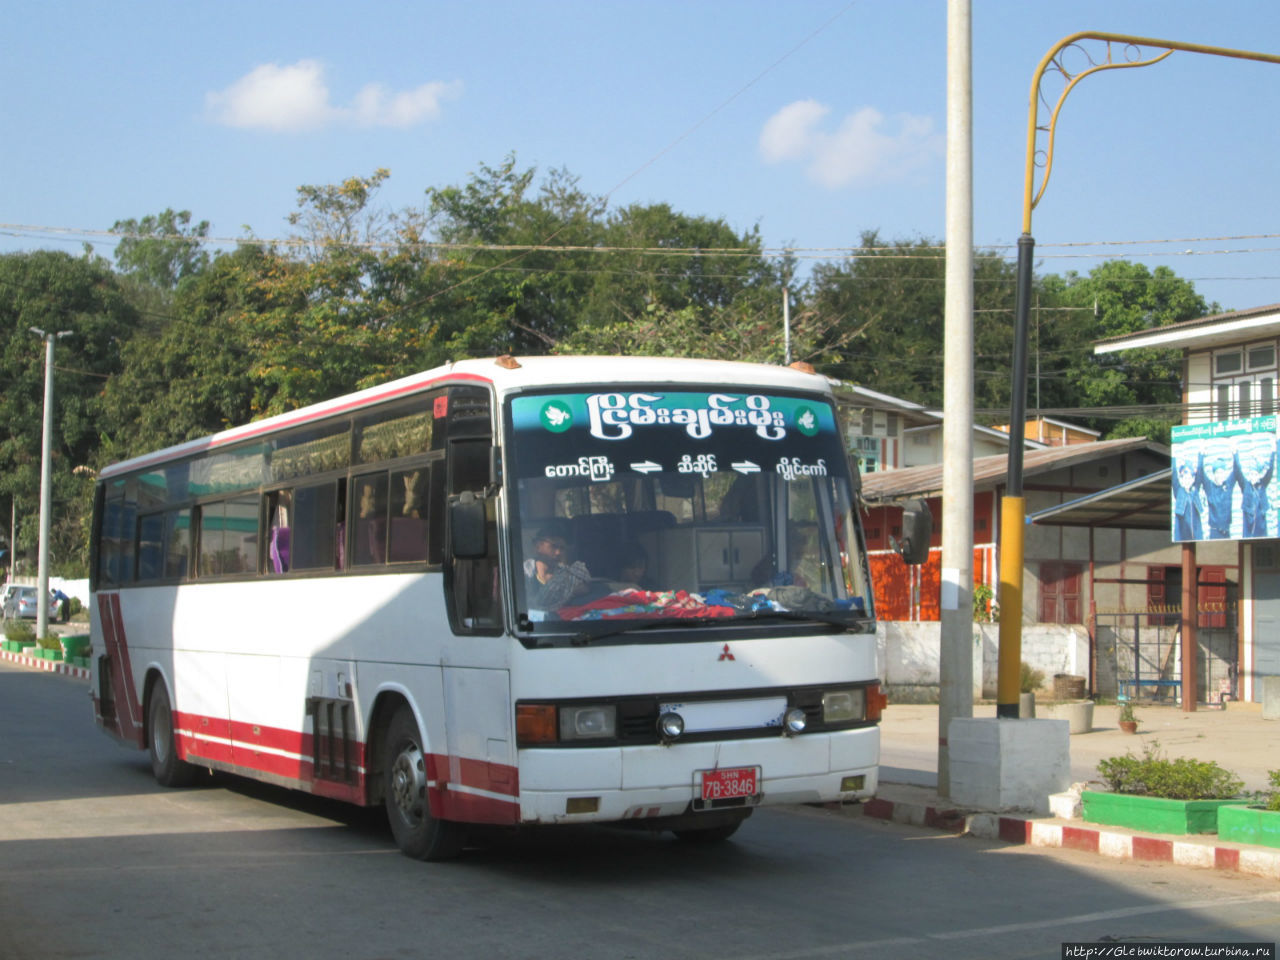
{"x":409,"y":782}
{"x":159,"y":735}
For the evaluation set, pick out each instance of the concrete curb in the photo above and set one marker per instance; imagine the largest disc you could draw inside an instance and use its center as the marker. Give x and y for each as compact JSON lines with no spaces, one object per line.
{"x":49,"y":666}
{"x":1206,"y":852}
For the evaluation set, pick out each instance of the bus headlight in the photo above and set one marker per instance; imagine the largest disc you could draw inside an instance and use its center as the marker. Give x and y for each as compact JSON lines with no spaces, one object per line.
{"x":795,"y":720}
{"x":595,"y":722}
{"x":844,"y":706}
{"x":670,"y":725}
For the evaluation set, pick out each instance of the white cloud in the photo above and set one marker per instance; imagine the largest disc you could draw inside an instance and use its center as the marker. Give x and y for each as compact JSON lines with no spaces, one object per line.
{"x":295,"y":98}
{"x":375,"y":107}
{"x":864,"y":148}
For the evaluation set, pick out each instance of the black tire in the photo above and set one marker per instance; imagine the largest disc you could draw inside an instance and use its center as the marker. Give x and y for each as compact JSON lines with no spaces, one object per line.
{"x":169,"y":770}
{"x":417,"y":833}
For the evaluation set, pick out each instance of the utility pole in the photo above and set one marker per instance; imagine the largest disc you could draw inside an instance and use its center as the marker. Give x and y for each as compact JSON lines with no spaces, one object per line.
{"x":786,"y":324}
{"x":1119,"y":52}
{"x":955,"y":667}
{"x":46,"y":457}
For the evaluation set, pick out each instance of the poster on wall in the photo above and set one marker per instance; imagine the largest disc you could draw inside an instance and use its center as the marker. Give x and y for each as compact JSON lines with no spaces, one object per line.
{"x":1222,"y":480}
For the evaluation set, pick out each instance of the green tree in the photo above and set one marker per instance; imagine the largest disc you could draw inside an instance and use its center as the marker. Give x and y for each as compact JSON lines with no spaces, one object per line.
{"x":475,"y":301}
{"x":162,"y":249}
{"x":1120,"y":297}
{"x":55,"y":292}
{"x":889,"y":302}
{"x":193,"y":377}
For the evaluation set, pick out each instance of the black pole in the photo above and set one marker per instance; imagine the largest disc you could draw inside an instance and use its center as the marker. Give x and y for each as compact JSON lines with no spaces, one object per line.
{"x":1018,"y":403}
{"x":1012,"y":507}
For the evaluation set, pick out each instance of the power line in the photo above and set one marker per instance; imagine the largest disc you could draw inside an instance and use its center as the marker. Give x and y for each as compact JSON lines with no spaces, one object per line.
{"x":887,"y":252}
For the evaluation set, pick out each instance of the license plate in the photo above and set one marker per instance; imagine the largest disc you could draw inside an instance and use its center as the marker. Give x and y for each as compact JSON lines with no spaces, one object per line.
{"x":730,"y":784}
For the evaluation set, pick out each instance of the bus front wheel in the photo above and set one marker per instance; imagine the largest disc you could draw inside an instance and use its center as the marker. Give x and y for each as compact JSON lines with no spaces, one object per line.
{"x":168,"y":768}
{"x":417,"y":833}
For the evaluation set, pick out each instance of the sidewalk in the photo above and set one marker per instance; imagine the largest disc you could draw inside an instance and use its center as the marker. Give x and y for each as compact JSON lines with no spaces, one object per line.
{"x":49,"y":666}
{"x":1237,"y":738}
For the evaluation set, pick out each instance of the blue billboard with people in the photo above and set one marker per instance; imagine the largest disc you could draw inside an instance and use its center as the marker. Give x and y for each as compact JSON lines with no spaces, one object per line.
{"x":1222,"y":480}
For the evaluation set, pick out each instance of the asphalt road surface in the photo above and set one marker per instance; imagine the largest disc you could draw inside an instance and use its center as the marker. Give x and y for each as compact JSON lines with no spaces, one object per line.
{"x":98,"y":861}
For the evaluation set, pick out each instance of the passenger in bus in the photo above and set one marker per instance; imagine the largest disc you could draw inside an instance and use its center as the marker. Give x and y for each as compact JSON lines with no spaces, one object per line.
{"x":633,"y":566}
{"x":551,"y":580}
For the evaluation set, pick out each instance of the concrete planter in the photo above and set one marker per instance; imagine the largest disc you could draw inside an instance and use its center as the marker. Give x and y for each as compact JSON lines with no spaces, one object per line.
{"x":1155,"y":814}
{"x":75,"y":646}
{"x":1079,"y":715}
{"x":1256,"y":825}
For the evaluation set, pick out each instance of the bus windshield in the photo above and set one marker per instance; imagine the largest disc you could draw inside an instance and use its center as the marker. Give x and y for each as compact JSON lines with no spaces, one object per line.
{"x":652,"y":505}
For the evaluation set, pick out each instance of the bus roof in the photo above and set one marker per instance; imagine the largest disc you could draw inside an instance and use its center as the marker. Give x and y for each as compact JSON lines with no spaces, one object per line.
{"x":505,"y":377}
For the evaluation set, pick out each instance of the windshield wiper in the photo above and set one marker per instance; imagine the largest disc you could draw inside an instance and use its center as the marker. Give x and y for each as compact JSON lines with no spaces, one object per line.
{"x":586,"y":638}
{"x":638,"y":626}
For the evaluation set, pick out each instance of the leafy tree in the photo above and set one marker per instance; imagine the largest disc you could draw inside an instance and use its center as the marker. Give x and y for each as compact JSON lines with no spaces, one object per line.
{"x":1120,"y":297}
{"x":55,"y":292}
{"x":339,"y":215}
{"x":890,"y":302}
{"x":161,"y":250}
{"x":476,"y":302}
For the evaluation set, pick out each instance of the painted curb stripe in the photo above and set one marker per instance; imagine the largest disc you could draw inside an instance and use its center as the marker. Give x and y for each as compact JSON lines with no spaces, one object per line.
{"x":1261,"y":862}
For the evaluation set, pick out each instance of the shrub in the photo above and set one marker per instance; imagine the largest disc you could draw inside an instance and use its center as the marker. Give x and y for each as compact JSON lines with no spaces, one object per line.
{"x":20,"y":631}
{"x":1153,"y":775}
{"x":1126,"y":713}
{"x":1273,"y":802}
{"x":50,"y":641}
{"x":985,"y":607}
{"x":1029,"y":679}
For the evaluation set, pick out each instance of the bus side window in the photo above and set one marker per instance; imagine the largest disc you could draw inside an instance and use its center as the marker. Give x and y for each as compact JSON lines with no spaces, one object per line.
{"x":435,"y":512}
{"x":314,"y":532}
{"x":109,"y":550}
{"x":370,"y":500}
{"x":407,"y":527}
{"x":177,"y":543}
{"x":280,"y":536}
{"x":473,"y":584}
{"x":151,"y":547}
{"x":468,"y":465}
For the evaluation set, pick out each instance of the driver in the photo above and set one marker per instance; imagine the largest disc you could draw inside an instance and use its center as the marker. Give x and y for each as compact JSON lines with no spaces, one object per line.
{"x":551,"y":581}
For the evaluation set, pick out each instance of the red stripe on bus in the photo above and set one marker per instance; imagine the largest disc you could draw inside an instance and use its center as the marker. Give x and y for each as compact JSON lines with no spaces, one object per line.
{"x":194,"y":749}
{"x":122,"y":685}
{"x":455,"y":804}
{"x":259,"y":748}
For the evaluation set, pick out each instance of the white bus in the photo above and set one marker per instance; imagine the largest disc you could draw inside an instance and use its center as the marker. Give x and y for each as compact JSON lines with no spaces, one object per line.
{"x":501,"y":592}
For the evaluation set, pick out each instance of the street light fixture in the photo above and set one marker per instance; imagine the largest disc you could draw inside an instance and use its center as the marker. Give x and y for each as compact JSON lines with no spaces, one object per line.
{"x":1120,"y":51}
{"x":42,"y":570}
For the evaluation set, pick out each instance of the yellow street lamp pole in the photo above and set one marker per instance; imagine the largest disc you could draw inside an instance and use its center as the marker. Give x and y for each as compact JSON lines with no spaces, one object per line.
{"x":1118,"y":51}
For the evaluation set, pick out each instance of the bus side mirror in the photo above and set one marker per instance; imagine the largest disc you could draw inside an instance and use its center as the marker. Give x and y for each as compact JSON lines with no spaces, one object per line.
{"x":917,"y":531}
{"x":467,"y":527}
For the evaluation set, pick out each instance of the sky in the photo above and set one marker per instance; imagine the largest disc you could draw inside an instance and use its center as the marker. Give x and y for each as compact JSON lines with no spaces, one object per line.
{"x":813,"y":120}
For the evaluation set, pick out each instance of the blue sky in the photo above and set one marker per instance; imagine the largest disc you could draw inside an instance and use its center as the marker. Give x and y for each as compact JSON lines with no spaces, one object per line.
{"x":815,"y":119}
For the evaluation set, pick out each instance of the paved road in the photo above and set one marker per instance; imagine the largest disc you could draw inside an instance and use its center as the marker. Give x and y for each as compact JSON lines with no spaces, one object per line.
{"x":97,"y":861}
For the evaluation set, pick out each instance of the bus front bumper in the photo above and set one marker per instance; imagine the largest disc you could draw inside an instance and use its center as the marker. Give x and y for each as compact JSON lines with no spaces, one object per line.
{"x":580,"y":785}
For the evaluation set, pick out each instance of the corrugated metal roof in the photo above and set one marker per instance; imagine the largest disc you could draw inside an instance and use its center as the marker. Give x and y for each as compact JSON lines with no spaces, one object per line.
{"x":1141,"y":504}
{"x":1190,"y":326}
{"x":926,"y":481}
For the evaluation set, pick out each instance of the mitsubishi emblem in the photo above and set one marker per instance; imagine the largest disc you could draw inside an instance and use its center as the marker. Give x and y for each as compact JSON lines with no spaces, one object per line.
{"x":725,"y":654}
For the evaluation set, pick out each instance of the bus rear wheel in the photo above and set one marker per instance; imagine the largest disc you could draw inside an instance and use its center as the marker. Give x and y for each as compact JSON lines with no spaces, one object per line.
{"x":417,"y":833}
{"x":168,"y":768}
